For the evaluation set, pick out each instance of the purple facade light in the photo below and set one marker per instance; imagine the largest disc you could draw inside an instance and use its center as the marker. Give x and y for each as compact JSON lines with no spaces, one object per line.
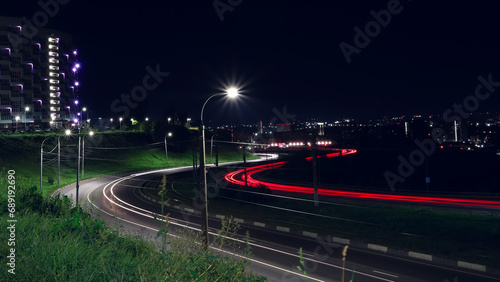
{"x":20,"y":85}
{"x":6,"y":48}
{"x":39,"y":46}
{"x":31,"y":64}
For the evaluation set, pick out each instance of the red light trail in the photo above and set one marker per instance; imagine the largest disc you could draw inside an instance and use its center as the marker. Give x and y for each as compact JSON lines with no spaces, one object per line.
{"x":237,"y":177}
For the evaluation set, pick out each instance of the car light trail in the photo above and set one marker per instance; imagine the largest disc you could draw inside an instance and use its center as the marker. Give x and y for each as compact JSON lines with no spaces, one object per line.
{"x":238,"y":177}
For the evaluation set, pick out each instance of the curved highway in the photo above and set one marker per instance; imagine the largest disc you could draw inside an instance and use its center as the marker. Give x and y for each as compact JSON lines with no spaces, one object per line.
{"x":118,"y":201}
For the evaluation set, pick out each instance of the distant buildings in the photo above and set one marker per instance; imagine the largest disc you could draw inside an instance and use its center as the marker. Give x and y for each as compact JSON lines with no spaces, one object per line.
{"x":38,"y":77}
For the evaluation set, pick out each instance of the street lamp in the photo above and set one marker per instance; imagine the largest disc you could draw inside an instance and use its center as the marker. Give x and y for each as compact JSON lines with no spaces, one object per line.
{"x":166,"y":152}
{"x":91,"y":133}
{"x":26,"y":109}
{"x":231,"y":93}
{"x":17,"y":121}
{"x":120,"y":123}
{"x":67,"y":132}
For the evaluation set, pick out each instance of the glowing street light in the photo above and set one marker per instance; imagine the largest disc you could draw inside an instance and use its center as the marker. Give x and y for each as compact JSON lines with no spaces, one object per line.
{"x":17,"y":121}
{"x":91,"y":133}
{"x":120,"y":123}
{"x":26,"y":109}
{"x":166,"y":151}
{"x":231,"y":93}
{"x":67,"y":132}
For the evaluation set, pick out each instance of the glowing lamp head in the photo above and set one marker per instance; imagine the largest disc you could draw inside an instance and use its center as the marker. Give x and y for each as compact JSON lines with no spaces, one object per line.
{"x":77,"y":65}
{"x":18,"y":118}
{"x":76,"y":102}
{"x":84,"y":109}
{"x":27,"y":109}
{"x":73,"y":69}
{"x":170,"y":134}
{"x":74,"y":52}
{"x":77,"y":83}
{"x":91,"y":133}
{"x":121,"y":119}
{"x":78,"y":114}
{"x":75,"y":120}
{"x":232,"y":92}
{"x":67,"y":132}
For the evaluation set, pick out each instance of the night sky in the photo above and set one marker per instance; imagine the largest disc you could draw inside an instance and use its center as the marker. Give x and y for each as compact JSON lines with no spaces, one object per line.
{"x":281,"y":53}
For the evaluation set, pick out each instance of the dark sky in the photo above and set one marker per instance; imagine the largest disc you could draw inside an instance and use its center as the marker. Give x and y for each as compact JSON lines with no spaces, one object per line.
{"x":282,"y":53}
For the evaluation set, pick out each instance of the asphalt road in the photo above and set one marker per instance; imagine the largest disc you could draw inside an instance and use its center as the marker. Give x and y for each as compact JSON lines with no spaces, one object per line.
{"x":275,"y":255}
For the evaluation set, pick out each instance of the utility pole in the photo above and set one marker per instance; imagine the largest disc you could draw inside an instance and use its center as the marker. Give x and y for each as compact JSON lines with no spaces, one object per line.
{"x":315,"y":169}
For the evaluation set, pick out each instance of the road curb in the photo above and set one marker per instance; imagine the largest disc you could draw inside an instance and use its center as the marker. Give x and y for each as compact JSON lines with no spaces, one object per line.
{"x":321,"y":238}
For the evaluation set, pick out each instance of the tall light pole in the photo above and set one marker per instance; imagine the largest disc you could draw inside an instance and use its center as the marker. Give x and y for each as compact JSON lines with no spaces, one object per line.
{"x":41,"y":164}
{"x":26,"y":109}
{"x":67,"y":132}
{"x":166,"y":151}
{"x":231,"y":93}
{"x":91,"y":133}
{"x":120,"y":123}
{"x":17,"y":122}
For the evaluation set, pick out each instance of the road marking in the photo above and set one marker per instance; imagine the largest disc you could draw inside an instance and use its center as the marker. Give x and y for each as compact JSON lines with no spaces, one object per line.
{"x":281,"y":228}
{"x":380,"y":272}
{"x":259,"y":224}
{"x":377,"y":247}
{"x":341,"y":240}
{"x":310,"y":234}
{"x":420,"y":256}
{"x":472,"y":266}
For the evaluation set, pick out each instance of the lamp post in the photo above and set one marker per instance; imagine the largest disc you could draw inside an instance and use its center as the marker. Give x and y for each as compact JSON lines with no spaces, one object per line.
{"x":26,"y":109}
{"x":41,"y":164}
{"x":120,"y":123}
{"x":166,"y":151}
{"x":91,"y":133}
{"x":67,"y":133}
{"x":231,"y":93}
{"x":17,"y":122}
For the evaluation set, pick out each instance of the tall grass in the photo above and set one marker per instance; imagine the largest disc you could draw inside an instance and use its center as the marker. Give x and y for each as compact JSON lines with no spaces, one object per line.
{"x":55,"y":242}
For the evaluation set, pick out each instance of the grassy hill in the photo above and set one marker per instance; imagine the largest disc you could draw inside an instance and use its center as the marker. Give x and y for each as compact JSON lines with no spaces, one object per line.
{"x":51,"y":241}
